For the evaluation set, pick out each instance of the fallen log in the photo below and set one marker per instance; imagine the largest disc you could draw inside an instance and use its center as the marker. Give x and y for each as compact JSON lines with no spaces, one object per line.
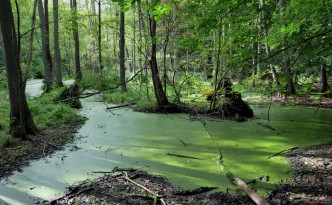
{"x":120,"y":106}
{"x":282,"y":151}
{"x":239,"y":183}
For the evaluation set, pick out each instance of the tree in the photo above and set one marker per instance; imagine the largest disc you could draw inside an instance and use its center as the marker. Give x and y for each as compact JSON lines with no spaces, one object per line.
{"x":162,"y":100}
{"x":73,"y":5}
{"x":21,"y":122}
{"x":122,"y":52}
{"x":44,"y":28}
{"x":57,"y":54}
{"x":33,"y":22}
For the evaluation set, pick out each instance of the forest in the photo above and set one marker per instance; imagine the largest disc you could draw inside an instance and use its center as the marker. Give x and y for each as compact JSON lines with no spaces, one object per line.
{"x":165,"y":101}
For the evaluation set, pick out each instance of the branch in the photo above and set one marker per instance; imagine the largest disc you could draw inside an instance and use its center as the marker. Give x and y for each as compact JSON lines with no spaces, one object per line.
{"x":285,"y":150}
{"x":37,"y":27}
{"x":182,"y":156}
{"x":296,"y":44}
{"x":145,"y":189}
{"x":238,"y":182}
{"x":120,"y":106}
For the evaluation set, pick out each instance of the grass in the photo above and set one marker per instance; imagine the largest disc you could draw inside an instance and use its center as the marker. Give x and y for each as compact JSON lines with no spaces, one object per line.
{"x":44,"y":111}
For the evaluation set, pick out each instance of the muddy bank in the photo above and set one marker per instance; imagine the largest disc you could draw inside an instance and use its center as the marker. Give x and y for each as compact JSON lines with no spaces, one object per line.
{"x":311,"y":184}
{"x":115,"y":188}
{"x":312,"y":180}
{"x":20,"y":153}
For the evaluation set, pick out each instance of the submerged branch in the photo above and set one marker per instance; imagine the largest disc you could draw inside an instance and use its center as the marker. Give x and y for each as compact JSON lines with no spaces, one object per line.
{"x":285,"y":150}
{"x":182,"y":156}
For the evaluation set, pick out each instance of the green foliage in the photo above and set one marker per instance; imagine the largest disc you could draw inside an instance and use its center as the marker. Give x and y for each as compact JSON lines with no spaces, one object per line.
{"x":146,"y":105}
{"x":5,"y":140}
{"x":46,"y":113}
{"x":119,"y":98}
{"x":108,"y":78}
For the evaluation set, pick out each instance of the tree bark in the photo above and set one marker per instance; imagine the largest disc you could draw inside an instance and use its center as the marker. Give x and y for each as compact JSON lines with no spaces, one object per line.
{"x":21,"y":122}
{"x":324,"y":86}
{"x":57,"y":54}
{"x":162,"y":100}
{"x":264,"y":28}
{"x":78,"y":71}
{"x":33,"y":22}
{"x":99,"y":36}
{"x":44,"y":28}
{"x":122,"y":53}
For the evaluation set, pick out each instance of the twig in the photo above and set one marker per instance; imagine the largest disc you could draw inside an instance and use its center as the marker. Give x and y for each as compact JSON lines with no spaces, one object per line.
{"x":183,"y":143}
{"x":315,"y":111}
{"x":45,"y":145}
{"x":183,"y":156}
{"x":285,"y":150}
{"x":144,"y":188}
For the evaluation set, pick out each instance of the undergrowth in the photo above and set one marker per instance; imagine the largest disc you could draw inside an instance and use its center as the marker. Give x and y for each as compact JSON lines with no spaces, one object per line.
{"x":45,"y":112}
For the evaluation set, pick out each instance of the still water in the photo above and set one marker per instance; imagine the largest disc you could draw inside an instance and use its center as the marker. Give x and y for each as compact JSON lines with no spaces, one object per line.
{"x":124,"y":138}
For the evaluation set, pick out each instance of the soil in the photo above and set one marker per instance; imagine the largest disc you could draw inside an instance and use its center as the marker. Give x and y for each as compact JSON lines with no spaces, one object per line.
{"x":20,"y":152}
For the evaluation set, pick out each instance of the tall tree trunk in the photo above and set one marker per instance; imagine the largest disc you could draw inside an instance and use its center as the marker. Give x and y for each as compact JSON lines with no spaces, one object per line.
{"x":78,"y":71}
{"x":57,"y":54}
{"x":162,"y":100}
{"x":264,"y":28}
{"x":21,"y":122}
{"x":134,"y":43}
{"x":99,"y":36}
{"x":33,"y":22}
{"x":122,"y":53}
{"x":44,"y":28}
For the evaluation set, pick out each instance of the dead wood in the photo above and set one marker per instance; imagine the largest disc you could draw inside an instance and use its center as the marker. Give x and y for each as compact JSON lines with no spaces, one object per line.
{"x":155,"y":195}
{"x":183,"y":143}
{"x":266,"y":126}
{"x":120,"y":106}
{"x":239,"y":183}
{"x":283,"y":151}
{"x":182,"y":156}
{"x":199,"y":190}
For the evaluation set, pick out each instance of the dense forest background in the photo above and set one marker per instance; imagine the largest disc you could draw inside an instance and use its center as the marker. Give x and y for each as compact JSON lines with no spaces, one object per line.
{"x":240,"y":39}
{"x":175,"y":51}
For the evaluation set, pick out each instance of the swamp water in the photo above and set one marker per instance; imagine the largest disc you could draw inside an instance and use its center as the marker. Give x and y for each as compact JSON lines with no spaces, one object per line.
{"x":124,"y":138}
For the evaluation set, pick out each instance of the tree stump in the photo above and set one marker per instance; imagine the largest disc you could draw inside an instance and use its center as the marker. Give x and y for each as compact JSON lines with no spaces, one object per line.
{"x":71,"y":96}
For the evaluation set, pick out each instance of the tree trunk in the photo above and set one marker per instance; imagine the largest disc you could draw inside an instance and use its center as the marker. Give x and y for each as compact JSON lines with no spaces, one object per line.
{"x":264,"y":28}
{"x":57,"y":54}
{"x":162,"y":100}
{"x":122,"y":53}
{"x":324,"y":86}
{"x":99,"y":36}
{"x":44,"y":28}
{"x":21,"y":122}
{"x":134,"y":43}
{"x":33,"y":22}
{"x":78,"y":71}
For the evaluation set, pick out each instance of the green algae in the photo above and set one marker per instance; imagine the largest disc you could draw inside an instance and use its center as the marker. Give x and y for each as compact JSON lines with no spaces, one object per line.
{"x":124,"y":138}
